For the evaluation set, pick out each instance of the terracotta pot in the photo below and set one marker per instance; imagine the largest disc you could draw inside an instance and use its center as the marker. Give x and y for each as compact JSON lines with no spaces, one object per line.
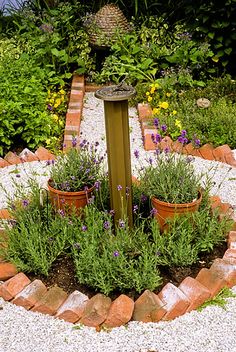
{"x":166,"y":210}
{"x":68,"y":201}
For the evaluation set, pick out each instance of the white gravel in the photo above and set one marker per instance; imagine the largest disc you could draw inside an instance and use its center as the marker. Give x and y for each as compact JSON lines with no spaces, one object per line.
{"x":212,"y":330}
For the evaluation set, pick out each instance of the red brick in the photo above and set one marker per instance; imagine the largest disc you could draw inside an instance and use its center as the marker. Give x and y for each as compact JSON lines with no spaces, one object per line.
{"x":78,"y":82}
{"x":231,"y":252}
{"x":175,"y":302}
{"x":212,"y":280}
{"x":229,"y":158}
{"x":51,"y":301}
{"x":12,"y":158}
{"x":7,"y":270}
{"x":44,"y":154}
{"x":27,"y":155}
{"x":189,"y":149}
{"x":4,"y":214}
{"x":226,"y":268}
{"x":30,"y":295}
{"x":147,"y":139}
{"x":3,"y":163}
{"x":10,"y":288}
{"x":195,"y":292}
{"x":76,"y":96}
{"x":220,"y":152}
{"x":148,"y":307}
{"x":96,"y":310}
{"x":232,"y":245}
{"x":166,"y":143}
{"x":120,"y":312}
{"x":206,"y":152}
{"x":144,"y":111}
{"x":71,"y":310}
{"x":177,"y":147}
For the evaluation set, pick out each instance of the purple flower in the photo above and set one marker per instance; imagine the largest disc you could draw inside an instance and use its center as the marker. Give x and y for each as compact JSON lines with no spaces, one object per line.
{"x":116,"y":254}
{"x":48,"y":162}
{"x":135,"y":208}
{"x":74,"y":142}
{"x":97,"y":185}
{"x":150,"y":161}
{"x":153,"y":138}
{"x":183,"y":133}
{"x":84,"y":228}
{"x":119,"y":187}
{"x":61,"y":212}
{"x":189,"y":159}
{"x":112,"y":212}
{"x":164,"y":128}
{"x":182,"y":140}
{"x":121,"y":223}
{"x":49,"y":107}
{"x":156,"y":122}
{"x":166,"y":150}
{"x":25,"y":203}
{"x":197,"y":142}
{"x":153,"y":212}
{"x":106,"y":225}
{"x":157,"y":152}
{"x":143,"y":198}
{"x":136,"y":154}
{"x":158,"y":138}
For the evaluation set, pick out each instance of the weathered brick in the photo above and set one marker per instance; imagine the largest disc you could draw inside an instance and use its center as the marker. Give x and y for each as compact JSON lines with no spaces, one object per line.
{"x":147,"y":139}
{"x":10,"y":288}
{"x":226,"y":269}
{"x":144,"y":111}
{"x":231,"y":252}
{"x":96,"y":310}
{"x":71,"y":310}
{"x":195,"y":292}
{"x":212,"y":280}
{"x":4,"y":214}
{"x":175,"y":301}
{"x":206,"y":152}
{"x":50,"y":301}
{"x":148,"y":307}
{"x":4,"y":163}
{"x":44,"y":154}
{"x":27,"y":155}
{"x":231,"y":237}
{"x":30,"y":295}
{"x":166,"y":143}
{"x":7,"y":270}
{"x":220,"y":152}
{"x":12,"y":158}
{"x":120,"y":312}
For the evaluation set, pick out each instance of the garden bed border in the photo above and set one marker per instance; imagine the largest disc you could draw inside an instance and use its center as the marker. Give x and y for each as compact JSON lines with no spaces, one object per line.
{"x":99,"y":311}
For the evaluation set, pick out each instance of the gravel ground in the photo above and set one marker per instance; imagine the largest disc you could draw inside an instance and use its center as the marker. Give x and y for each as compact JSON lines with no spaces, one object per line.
{"x":212,"y":330}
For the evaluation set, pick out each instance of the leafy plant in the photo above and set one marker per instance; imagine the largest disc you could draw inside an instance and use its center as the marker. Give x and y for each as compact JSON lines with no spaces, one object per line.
{"x":220,"y":299}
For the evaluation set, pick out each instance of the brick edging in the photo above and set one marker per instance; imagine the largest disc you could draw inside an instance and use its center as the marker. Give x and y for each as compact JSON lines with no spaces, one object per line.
{"x":207,"y":151}
{"x":100,"y":311}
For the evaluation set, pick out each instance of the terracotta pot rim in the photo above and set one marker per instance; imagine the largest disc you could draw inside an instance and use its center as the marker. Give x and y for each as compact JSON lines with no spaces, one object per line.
{"x":179,"y":205}
{"x":50,"y":188}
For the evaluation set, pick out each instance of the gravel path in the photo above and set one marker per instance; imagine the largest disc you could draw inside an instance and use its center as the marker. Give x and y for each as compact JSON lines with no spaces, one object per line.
{"x":212,"y":330}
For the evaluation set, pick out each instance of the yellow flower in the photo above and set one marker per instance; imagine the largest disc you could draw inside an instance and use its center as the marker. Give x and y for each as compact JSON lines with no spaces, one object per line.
{"x":61,"y":91}
{"x":168,"y":94}
{"x":152,"y":90}
{"x":156,"y":111}
{"x":61,"y":123}
{"x":149,"y":99}
{"x":156,"y":85}
{"x":174,"y":112}
{"x":164,"y":105}
{"x":147,"y":93}
{"x":57,"y":102}
{"x":178,"y":124}
{"x":55,"y":117}
{"x":48,"y":141}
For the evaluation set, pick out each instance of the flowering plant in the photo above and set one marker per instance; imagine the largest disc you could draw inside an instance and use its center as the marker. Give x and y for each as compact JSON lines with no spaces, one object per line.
{"x":171,"y":178}
{"x":78,"y":169}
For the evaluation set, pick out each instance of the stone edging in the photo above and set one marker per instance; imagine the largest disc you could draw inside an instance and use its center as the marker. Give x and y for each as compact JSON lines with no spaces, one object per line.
{"x":207,"y":151}
{"x":100,"y":311}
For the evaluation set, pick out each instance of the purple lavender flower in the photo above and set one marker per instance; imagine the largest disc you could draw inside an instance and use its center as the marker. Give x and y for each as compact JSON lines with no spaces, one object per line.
{"x":183,"y":133}
{"x":74,"y":142}
{"x":166,"y":150}
{"x":153,"y":212}
{"x":112,"y":212}
{"x":61,"y":212}
{"x":106,"y":225}
{"x":84,"y":228}
{"x":143,"y":198}
{"x":158,"y":138}
{"x":48,"y":162}
{"x":25,"y":203}
{"x":119,"y":187}
{"x":163,"y":128}
{"x":157,"y":152}
{"x":156,"y":122}
{"x":135,"y":208}
{"x":121,"y":223}
{"x":197,"y":142}
{"x":49,"y":107}
{"x":116,"y":254}
{"x":97,"y":185}
{"x":182,"y":140}
{"x":153,"y":138}
{"x":136,"y":154}
{"x":150,"y":160}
